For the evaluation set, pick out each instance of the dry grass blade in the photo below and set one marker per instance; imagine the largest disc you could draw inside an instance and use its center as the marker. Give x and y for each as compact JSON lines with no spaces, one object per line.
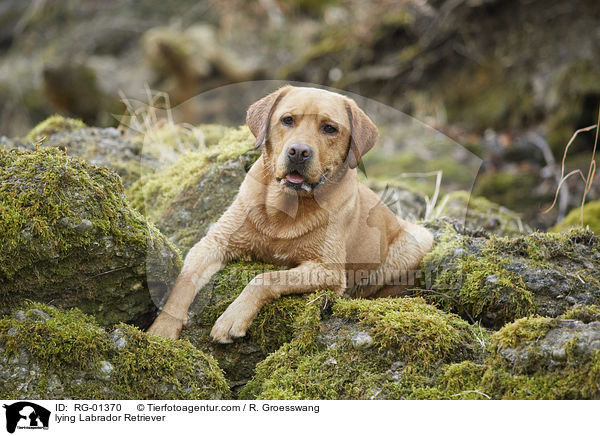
{"x":429,"y":203}
{"x":588,"y":180}
{"x":472,"y":392}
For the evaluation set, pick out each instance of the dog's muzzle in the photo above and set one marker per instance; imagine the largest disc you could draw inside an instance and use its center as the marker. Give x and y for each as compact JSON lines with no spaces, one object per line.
{"x":297,"y":182}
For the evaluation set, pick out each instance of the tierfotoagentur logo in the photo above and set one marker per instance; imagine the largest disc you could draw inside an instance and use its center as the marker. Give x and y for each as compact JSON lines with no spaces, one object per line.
{"x":26,"y":415}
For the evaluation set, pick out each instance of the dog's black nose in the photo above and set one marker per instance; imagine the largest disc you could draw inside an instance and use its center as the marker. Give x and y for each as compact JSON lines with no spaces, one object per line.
{"x":299,"y":153}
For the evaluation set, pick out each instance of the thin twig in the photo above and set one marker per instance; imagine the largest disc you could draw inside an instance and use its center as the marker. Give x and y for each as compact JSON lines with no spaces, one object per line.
{"x":107,"y":272}
{"x":314,"y":299}
{"x":541,"y":143}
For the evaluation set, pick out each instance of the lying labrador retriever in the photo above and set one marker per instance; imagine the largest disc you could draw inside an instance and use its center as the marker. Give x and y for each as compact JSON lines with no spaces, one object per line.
{"x":300,"y":206}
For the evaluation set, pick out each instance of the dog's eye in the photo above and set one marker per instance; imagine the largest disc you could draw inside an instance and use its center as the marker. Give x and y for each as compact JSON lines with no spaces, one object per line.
{"x":287,"y":121}
{"x":329,"y":129}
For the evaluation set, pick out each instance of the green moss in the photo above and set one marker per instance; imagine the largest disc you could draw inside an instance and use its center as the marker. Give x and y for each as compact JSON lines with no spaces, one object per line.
{"x":517,"y":367}
{"x":543,"y":247}
{"x":49,"y":353}
{"x":523,"y":331}
{"x":409,"y":340}
{"x":485,"y":290}
{"x":416,"y":330}
{"x":446,"y":240}
{"x":571,"y":384}
{"x":497,"y":280}
{"x":287,"y":374}
{"x":591,"y":218}
{"x":70,"y":338}
{"x":307,"y":324}
{"x":154,"y":367}
{"x":52,"y":125}
{"x":69,"y":237}
{"x":476,"y":286}
{"x":457,"y":381}
{"x":153,"y":193}
{"x":462,"y":380}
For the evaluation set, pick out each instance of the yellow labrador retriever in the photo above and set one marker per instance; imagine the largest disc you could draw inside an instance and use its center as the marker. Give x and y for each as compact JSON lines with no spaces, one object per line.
{"x":302,"y":207}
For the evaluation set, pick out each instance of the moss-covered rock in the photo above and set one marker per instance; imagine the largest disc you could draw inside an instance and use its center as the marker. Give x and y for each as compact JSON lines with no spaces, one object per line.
{"x":130,"y":154}
{"x":497,"y":280}
{"x":406,"y":349}
{"x":186,"y":197}
{"x":531,"y":358}
{"x":544,"y":358}
{"x":591,"y":218}
{"x":582,"y":312}
{"x":106,"y":147}
{"x":46,"y":353}
{"x":101,"y":147}
{"x":69,"y":237}
{"x":480,"y":213}
{"x":364,"y":349}
{"x":52,"y":125}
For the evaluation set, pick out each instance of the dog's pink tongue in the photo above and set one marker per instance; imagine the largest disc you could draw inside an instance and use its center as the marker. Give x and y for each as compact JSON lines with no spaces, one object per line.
{"x":294,"y":178}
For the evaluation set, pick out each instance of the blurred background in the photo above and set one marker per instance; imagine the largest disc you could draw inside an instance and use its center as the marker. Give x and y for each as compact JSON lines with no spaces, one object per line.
{"x":509,"y":80}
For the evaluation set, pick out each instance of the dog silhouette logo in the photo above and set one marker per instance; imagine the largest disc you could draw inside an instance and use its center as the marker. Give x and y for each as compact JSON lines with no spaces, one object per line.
{"x":26,"y":415}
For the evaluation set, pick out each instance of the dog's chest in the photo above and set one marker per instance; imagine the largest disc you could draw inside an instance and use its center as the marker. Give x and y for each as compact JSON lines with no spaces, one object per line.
{"x":286,"y":251}
{"x":282,"y":239}
{"x":290,"y":252}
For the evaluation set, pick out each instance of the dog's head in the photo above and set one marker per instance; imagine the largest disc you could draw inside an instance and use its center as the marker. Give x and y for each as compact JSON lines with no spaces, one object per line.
{"x":309,"y":136}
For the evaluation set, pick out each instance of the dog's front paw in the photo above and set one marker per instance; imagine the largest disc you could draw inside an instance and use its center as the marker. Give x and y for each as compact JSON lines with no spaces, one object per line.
{"x":233,"y":323}
{"x":166,"y":326}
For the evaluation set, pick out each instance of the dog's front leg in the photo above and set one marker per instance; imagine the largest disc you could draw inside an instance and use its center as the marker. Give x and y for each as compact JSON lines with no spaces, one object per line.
{"x":269,"y":286}
{"x":206,"y":258}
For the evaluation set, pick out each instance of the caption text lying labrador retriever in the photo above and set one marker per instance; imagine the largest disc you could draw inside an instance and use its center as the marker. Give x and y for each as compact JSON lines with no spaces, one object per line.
{"x":300,"y":206}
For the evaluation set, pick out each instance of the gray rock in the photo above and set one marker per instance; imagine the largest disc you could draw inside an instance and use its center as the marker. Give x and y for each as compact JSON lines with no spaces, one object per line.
{"x":38,"y":315}
{"x":118,"y":339}
{"x":551,"y":351}
{"x":362,"y":340}
{"x":106,"y":369}
{"x":84,"y":226}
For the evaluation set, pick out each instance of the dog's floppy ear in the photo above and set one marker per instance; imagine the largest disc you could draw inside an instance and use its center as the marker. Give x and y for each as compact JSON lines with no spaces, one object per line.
{"x":259,"y":114}
{"x":363,"y":133}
